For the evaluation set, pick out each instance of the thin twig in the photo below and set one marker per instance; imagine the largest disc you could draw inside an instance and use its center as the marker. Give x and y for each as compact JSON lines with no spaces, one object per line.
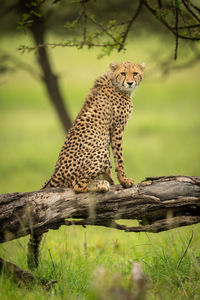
{"x":191,"y":38}
{"x":85,"y":17}
{"x":187,"y":27}
{"x":189,"y":10}
{"x":64,"y":44}
{"x":194,"y":6}
{"x":125,"y":34}
{"x":104,"y":30}
{"x":184,"y":18}
{"x":167,"y":25}
{"x":190,"y":240}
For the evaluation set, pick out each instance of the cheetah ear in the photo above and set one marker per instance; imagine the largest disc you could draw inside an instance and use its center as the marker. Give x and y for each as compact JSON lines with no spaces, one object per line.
{"x":113,"y":66}
{"x":143,"y":66}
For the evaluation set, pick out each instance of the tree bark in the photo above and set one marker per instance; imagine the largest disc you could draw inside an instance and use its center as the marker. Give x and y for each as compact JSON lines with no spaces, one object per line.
{"x":159,"y":204}
{"x":38,"y":30}
{"x":49,"y":78}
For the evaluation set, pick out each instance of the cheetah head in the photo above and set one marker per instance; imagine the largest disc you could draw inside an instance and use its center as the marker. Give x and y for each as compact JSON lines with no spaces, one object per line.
{"x":127,"y":76}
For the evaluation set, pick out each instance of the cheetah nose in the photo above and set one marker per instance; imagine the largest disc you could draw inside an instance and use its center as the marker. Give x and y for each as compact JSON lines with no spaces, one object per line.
{"x":130,"y":83}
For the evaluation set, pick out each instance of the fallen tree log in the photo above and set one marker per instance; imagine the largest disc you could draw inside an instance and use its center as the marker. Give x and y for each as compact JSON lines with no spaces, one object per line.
{"x":159,"y":203}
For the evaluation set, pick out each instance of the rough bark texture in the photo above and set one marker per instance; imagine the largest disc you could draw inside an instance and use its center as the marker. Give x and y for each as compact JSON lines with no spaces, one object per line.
{"x":158,"y":203}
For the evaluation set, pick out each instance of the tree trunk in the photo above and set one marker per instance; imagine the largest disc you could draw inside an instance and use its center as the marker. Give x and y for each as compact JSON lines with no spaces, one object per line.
{"x":159,"y":204}
{"x":50,"y":79}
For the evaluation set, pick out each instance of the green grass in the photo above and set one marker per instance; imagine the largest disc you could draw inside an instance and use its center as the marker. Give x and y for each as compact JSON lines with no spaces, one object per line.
{"x":161,"y":138}
{"x":75,"y":264}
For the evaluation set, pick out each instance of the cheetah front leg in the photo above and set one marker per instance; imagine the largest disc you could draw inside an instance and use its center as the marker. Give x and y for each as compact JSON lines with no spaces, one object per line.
{"x":116,"y":144}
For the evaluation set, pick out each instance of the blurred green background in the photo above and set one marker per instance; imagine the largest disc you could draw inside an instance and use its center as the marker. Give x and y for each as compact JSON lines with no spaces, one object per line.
{"x":161,"y":138}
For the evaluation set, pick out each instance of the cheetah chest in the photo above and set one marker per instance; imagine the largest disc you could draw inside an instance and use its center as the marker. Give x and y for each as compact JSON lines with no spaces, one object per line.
{"x":122,"y":109}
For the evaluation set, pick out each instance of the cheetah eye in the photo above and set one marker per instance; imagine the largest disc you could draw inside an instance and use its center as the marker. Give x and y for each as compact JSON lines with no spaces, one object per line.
{"x":135,"y":73}
{"x":123,"y":73}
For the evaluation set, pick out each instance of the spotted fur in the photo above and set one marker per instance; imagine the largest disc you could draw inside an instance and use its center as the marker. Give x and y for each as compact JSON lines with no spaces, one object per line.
{"x":100,"y":123}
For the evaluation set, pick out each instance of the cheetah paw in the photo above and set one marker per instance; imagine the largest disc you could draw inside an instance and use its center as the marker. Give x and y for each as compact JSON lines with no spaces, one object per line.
{"x":99,"y":186}
{"x":104,"y":186}
{"x":127,"y":183}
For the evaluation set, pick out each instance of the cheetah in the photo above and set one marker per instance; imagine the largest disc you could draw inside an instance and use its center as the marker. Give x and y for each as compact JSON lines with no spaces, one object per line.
{"x":86,"y":151}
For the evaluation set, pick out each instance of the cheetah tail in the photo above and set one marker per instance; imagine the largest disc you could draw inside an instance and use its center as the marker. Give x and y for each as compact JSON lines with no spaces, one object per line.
{"x":34,"y":241}
{"x":47,"y":184}
{"x":33,"y":250}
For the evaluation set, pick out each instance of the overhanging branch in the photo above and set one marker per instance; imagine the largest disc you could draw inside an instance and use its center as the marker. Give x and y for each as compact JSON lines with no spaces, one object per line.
{"x":109,"y":34}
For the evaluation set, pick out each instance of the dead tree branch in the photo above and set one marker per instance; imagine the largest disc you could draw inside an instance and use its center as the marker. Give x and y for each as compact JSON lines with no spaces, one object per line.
{"x":158,"y":203}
